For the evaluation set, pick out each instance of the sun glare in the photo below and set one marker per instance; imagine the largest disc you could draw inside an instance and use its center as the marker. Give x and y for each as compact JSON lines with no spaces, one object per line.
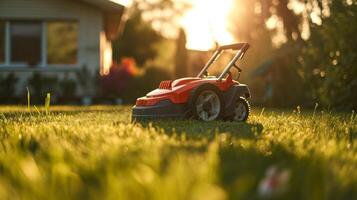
{"x":206,"y":23}
{"x":125,"y":3}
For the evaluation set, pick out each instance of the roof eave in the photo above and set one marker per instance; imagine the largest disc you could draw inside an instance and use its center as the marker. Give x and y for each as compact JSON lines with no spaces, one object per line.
{"x":105,"y":5}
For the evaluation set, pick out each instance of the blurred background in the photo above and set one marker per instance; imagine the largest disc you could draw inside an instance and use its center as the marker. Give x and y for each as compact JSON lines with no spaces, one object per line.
{"x":86,"y":52}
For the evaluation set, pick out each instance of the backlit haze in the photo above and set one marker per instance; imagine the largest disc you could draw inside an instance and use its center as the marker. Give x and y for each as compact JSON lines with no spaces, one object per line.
{"x":206,"y":23}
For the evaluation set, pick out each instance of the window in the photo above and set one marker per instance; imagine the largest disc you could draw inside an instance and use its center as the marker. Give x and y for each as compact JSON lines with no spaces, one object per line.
{"x":2,"y":41}
{"x":38,"y":43}
{"x":62,"y":42}
{"x":25,"y":42}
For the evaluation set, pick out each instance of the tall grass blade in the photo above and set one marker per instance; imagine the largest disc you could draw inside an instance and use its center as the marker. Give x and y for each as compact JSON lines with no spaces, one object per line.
{"x":28,"y":99}
{"x":261,"y":113}
{"x":352,"y":115}
{"x":298,"y":109}
{"x":313,"y":115}
{"x":37,"y":110}
{"x":47,"y":103}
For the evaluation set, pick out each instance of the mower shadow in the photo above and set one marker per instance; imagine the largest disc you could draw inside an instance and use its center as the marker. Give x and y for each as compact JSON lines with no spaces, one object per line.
{"x":198,"y":129}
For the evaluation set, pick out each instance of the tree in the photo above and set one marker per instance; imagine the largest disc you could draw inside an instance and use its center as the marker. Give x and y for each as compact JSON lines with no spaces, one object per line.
{"x":138,"y":40}
{"x":324,"y":61}
{"x":249,"y":16}
{"x":248,"y":25}
{"x":329,"y":59}
{"x":141,"y":36}
{"x":181,"y":55}
{"x":163,"y":15}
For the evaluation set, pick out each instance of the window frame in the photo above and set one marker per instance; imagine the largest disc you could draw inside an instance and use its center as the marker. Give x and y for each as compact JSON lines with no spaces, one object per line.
{"x":21,"y":63}
{"x":7,"y":47}
{"x":4,"y":35}
{"x":43,"y":59}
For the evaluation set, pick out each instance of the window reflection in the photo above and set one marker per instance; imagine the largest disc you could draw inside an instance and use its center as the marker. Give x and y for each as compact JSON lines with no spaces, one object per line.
{"x":25,"y":42}
{"x":62,"y":42}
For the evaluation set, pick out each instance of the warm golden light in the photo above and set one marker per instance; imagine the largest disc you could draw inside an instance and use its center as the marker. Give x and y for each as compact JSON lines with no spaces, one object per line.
{"x":126,"y":3}
{"x":106,"y":54}
{"x":206,"y":23}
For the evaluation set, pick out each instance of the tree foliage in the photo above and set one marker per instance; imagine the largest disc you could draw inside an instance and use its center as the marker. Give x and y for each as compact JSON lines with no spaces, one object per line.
{"x":138,"y":40}
{"x":329,"y":58}
{"x":163,"y":15}
{"x":249,"y":17}
{"x":181,"y":58}
{"x":148,"y":23}
{"x":323,"y":62}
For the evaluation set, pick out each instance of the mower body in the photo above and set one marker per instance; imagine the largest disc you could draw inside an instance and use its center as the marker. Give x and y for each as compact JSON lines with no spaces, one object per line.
{"x":175,"y":99}
{"x":171,"y":99}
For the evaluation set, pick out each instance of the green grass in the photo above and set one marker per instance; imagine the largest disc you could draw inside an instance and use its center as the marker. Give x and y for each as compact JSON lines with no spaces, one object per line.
{"x":96,"y":153}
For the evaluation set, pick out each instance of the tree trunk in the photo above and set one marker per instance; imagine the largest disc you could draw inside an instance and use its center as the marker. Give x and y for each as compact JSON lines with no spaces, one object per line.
{"x":181,"y":68}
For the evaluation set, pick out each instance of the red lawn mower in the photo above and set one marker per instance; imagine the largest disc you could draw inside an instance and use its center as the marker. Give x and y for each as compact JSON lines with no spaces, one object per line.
{"x":202,"y":97}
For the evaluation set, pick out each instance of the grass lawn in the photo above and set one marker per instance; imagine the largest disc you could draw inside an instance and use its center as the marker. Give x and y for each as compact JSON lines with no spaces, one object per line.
{"x":96,"y":153}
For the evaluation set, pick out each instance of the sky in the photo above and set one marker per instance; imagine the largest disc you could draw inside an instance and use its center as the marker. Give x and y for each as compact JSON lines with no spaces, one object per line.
{"x":206,"y":22}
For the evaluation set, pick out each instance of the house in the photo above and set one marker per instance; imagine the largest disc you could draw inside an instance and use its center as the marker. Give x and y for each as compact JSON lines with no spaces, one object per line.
{"x":56,"y":38}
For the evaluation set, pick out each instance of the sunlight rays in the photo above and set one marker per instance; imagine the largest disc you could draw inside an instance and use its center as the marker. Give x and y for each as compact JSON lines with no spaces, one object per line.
{"x":206,"y":23}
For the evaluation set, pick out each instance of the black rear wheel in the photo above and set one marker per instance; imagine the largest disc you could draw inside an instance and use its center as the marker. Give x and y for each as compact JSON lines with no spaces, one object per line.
{"x":241,"y":110}
{"x":206,"y":103}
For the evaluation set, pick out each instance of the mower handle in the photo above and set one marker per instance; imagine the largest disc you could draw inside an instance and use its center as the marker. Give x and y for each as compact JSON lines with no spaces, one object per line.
{"x":237,"y":46}
{"x":241,"y":47}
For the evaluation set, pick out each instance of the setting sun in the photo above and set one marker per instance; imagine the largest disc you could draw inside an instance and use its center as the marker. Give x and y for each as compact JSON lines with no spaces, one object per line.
{"x":206,"y":23}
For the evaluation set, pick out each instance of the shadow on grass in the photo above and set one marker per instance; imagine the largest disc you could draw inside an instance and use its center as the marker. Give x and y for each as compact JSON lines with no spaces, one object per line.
{"x":243,"y":168}
{"x":243,"y":164}
{"x":311,"y":176}
{"x":199,"y":129}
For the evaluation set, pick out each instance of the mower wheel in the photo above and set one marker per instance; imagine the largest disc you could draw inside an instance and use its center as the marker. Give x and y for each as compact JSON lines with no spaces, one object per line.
{"x":206,"y":103}
{"x":241,"y":110}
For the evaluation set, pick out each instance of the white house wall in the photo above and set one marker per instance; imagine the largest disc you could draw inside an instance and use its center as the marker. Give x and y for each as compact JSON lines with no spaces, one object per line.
{"x":90,"y":23}
{"x":89,"y":18}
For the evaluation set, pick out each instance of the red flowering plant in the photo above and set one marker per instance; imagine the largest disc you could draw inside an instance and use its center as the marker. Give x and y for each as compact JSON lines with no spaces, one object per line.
{"x":114,"y":84}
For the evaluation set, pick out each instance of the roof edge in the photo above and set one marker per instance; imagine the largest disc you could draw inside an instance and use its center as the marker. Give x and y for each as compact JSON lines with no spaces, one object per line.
{"x":105,"y":5}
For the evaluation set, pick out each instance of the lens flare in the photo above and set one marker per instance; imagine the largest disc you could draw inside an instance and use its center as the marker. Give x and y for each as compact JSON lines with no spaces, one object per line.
{"x":206,"y":23}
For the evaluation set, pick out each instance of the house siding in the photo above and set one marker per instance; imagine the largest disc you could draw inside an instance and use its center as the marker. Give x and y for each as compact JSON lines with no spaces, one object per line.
{"x":89,"y":18}
{"x":90,"y":25}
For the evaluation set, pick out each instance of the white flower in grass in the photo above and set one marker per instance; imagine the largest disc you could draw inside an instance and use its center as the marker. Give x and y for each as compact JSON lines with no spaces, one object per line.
{"x":274,"y":183}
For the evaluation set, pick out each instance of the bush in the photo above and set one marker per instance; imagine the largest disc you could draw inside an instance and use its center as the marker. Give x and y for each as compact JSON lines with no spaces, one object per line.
{"x":68,"y":87}
{"x":114,"y":83}
{"x":328,"y":61}
{"x":39,"y":85}
{"x":140,"y":85}
{"x":7,"y":85}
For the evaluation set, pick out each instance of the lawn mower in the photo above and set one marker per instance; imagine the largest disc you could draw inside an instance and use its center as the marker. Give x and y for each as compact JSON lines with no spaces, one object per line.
{"x":203,"y":97}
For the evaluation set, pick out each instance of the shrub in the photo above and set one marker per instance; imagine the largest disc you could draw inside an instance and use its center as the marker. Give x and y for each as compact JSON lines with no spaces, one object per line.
{"x":140,"y":85}
{"x":7,"y":85}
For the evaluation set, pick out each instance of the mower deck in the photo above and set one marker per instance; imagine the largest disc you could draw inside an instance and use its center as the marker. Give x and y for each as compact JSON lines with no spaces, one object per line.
{"x":162,"y":110}
{"x":165,"y":109}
